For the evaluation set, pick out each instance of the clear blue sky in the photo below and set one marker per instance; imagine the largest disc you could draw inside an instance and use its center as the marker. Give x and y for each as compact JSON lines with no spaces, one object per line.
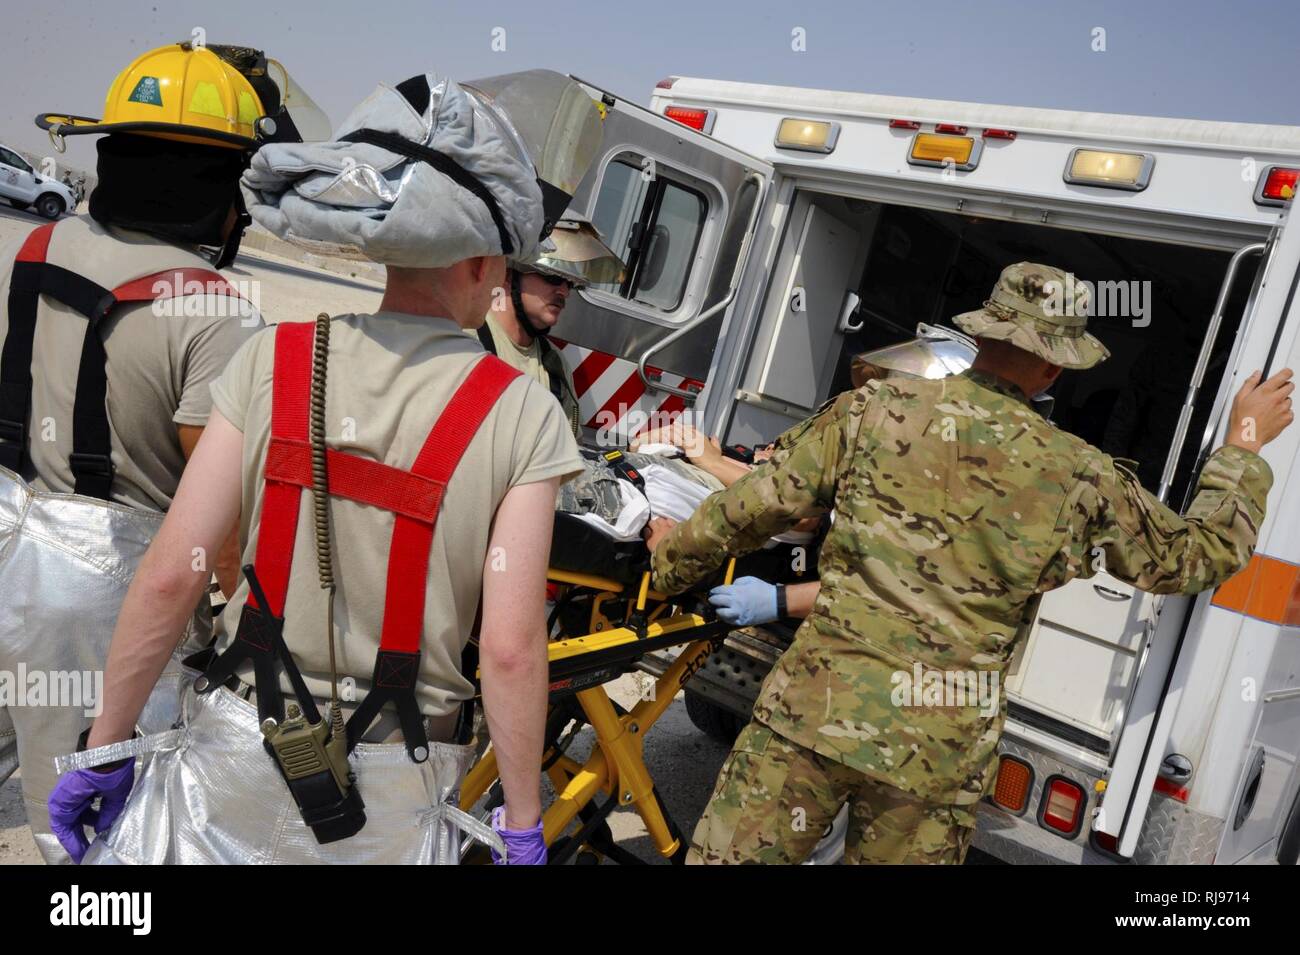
{"x":1208,"y":60}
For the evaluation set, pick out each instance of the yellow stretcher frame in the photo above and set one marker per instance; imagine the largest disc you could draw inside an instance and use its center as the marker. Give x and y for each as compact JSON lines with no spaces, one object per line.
{"x":616,"y":765}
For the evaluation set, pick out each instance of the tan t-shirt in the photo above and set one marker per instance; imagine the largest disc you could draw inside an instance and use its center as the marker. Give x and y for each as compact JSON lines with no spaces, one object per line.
{"x":390,"y":375}
{"x":529,"y":360}
{"x":159,"y":367}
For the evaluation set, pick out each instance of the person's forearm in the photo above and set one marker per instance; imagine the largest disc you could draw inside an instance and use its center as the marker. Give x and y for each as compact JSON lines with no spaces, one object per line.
{"x":160,"y":601}
{"x":799,"y":598}
{"x":726,"y":470}
{"x":170,"y":582}
{"x":227,"y":569}
{"x":515,"y":679}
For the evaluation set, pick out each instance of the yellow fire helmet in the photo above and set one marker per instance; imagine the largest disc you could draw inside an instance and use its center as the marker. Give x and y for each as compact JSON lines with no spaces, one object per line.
{"x":215,"y":95}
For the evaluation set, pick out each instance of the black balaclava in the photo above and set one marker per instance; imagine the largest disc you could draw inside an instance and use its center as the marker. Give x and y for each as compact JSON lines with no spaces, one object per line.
{"x":517,"y":298}
{"x":180,"y":192}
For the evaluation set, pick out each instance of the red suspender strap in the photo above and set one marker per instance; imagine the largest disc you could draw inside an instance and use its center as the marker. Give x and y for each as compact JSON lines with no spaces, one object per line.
{"x":37,"y":245}
{"x":174,"y":283}
{"x":408,"y":555}
{"x":290,"y":401}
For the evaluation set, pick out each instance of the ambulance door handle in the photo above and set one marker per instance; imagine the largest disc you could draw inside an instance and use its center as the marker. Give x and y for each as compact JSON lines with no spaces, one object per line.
{"x":851,"y":303}
{"x":1111,"y":594}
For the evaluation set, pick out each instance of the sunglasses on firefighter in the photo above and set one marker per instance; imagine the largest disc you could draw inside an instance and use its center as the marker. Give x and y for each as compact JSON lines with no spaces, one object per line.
{"x":556,"y":280}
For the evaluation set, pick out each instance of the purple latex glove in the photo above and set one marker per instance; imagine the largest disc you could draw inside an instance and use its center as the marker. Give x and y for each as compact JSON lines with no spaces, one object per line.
{"x":523,"y":846}
{"x":70,"y":804}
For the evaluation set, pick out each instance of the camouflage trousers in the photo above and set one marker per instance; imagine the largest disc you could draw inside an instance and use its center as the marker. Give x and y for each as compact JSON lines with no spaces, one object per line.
{"x":774,"y":799}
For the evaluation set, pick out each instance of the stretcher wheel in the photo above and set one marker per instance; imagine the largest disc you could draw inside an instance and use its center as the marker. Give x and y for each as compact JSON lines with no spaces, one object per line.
{"x":712,"y":720}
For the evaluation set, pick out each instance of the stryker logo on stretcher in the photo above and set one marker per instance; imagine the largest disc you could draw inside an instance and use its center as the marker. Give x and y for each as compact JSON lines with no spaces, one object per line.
{"x":176,"y":296}
{"x":23,"y":687}
{"x":103,"y":908}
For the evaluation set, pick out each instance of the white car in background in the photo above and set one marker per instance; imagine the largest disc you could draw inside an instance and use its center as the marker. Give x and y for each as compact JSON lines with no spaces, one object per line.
{"x":23,"y":186}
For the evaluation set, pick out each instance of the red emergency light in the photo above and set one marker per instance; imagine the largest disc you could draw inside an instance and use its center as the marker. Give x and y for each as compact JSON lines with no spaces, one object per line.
{"x":999,"y":134}
{"x":954,"y":129}
{"x":1276,"y":186}
{"x":1061,"y":808}
{"x":904,"y":124}
{"x":699,"y":119}
{"x":1171,"y":789}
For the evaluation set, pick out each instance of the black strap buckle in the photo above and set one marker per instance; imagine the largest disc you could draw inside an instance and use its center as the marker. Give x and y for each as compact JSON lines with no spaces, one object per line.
{"x":90,"y":464}
{"x":394,"y":681}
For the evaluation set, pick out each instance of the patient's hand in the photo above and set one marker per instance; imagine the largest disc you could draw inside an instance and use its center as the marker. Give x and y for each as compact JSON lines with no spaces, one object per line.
{"x":694,"y":444}
{"x":656,"y":530}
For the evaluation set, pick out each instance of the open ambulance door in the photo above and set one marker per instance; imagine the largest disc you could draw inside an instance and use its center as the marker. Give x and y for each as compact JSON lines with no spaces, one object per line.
{"x":680,"y":208}
{"x":1166,"y":648}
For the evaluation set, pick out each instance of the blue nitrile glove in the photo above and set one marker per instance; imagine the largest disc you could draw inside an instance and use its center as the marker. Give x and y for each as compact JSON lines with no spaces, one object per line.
{"x":523,"y":846}
{"x":746,"y":602}
{"x":70,"y":810}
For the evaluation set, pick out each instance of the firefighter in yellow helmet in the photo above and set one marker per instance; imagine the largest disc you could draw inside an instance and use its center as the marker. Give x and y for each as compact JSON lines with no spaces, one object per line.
{"x":112,"y":326}
{"x":517,"y":327}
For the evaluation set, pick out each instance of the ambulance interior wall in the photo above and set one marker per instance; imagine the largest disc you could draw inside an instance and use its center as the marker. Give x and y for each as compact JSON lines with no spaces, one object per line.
{"x":928,"y":266}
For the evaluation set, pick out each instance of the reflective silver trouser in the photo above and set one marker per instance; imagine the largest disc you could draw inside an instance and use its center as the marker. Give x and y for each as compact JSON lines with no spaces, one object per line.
{"x":65,"y":565}
{"x":210,"y":793}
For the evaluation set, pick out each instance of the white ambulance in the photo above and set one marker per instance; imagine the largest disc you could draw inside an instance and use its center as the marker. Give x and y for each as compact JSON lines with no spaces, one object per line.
{"x":771,"y":233}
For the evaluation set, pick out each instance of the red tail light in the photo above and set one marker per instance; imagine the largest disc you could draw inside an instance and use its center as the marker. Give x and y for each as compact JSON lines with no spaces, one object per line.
{"x":700,"y":119}
{"x":1163,"y":785}
{"x":1061,"y":809}
{"x":1277,"y":186}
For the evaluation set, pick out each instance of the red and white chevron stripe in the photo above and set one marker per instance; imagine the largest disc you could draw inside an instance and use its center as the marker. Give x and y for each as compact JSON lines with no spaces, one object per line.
{"x":612,"y":396}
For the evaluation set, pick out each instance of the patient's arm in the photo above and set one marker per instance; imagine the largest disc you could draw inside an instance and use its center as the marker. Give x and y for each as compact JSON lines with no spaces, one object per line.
{"x":703,"y":452}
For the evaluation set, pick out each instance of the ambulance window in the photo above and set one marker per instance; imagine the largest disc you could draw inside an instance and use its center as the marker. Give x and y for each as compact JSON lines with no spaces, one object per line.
{"x":654,"y":224}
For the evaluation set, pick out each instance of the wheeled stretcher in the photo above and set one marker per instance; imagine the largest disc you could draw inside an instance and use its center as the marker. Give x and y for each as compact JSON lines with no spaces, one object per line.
{"x":604,"y":623}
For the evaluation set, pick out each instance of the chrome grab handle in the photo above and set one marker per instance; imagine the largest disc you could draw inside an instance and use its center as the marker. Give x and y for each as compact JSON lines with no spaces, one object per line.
{"x":1202,"y":360}
{"x":712,"y":310}
{"x":1111,"y":594}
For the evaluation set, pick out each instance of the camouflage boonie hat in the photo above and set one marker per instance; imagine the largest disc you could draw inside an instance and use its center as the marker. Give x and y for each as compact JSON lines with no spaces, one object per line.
{"x":1042,"y":310}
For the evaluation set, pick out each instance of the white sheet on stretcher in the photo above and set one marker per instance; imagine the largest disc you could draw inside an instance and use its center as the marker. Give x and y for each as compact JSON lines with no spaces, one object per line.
{"x":667,"y":494}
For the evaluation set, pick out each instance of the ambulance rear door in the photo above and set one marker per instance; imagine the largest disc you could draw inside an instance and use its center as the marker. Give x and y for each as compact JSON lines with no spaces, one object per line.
{"x":680,"y":208}
{"x":1267,"y":339}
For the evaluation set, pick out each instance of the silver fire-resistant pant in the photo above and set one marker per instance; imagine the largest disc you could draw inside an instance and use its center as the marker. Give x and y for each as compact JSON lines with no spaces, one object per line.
{"x":65,"y":564}
{"x":210,"y":793}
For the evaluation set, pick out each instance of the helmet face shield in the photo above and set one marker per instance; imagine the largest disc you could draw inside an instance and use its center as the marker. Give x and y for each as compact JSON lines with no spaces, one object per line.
{"x":574,"y":252}
{"x":936,"y":353}
{"x":308,"y":120}
{"x":556,"y":123}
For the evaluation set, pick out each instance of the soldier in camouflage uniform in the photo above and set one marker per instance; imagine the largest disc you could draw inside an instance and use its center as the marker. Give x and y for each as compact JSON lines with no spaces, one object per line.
{"x":955,"y":503}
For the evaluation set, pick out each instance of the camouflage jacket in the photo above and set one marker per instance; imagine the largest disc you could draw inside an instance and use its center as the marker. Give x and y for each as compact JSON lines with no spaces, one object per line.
{"x":954,"y":504}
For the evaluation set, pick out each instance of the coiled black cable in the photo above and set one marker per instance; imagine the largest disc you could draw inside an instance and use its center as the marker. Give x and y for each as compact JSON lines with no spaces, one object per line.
{"x":320,"y":489}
